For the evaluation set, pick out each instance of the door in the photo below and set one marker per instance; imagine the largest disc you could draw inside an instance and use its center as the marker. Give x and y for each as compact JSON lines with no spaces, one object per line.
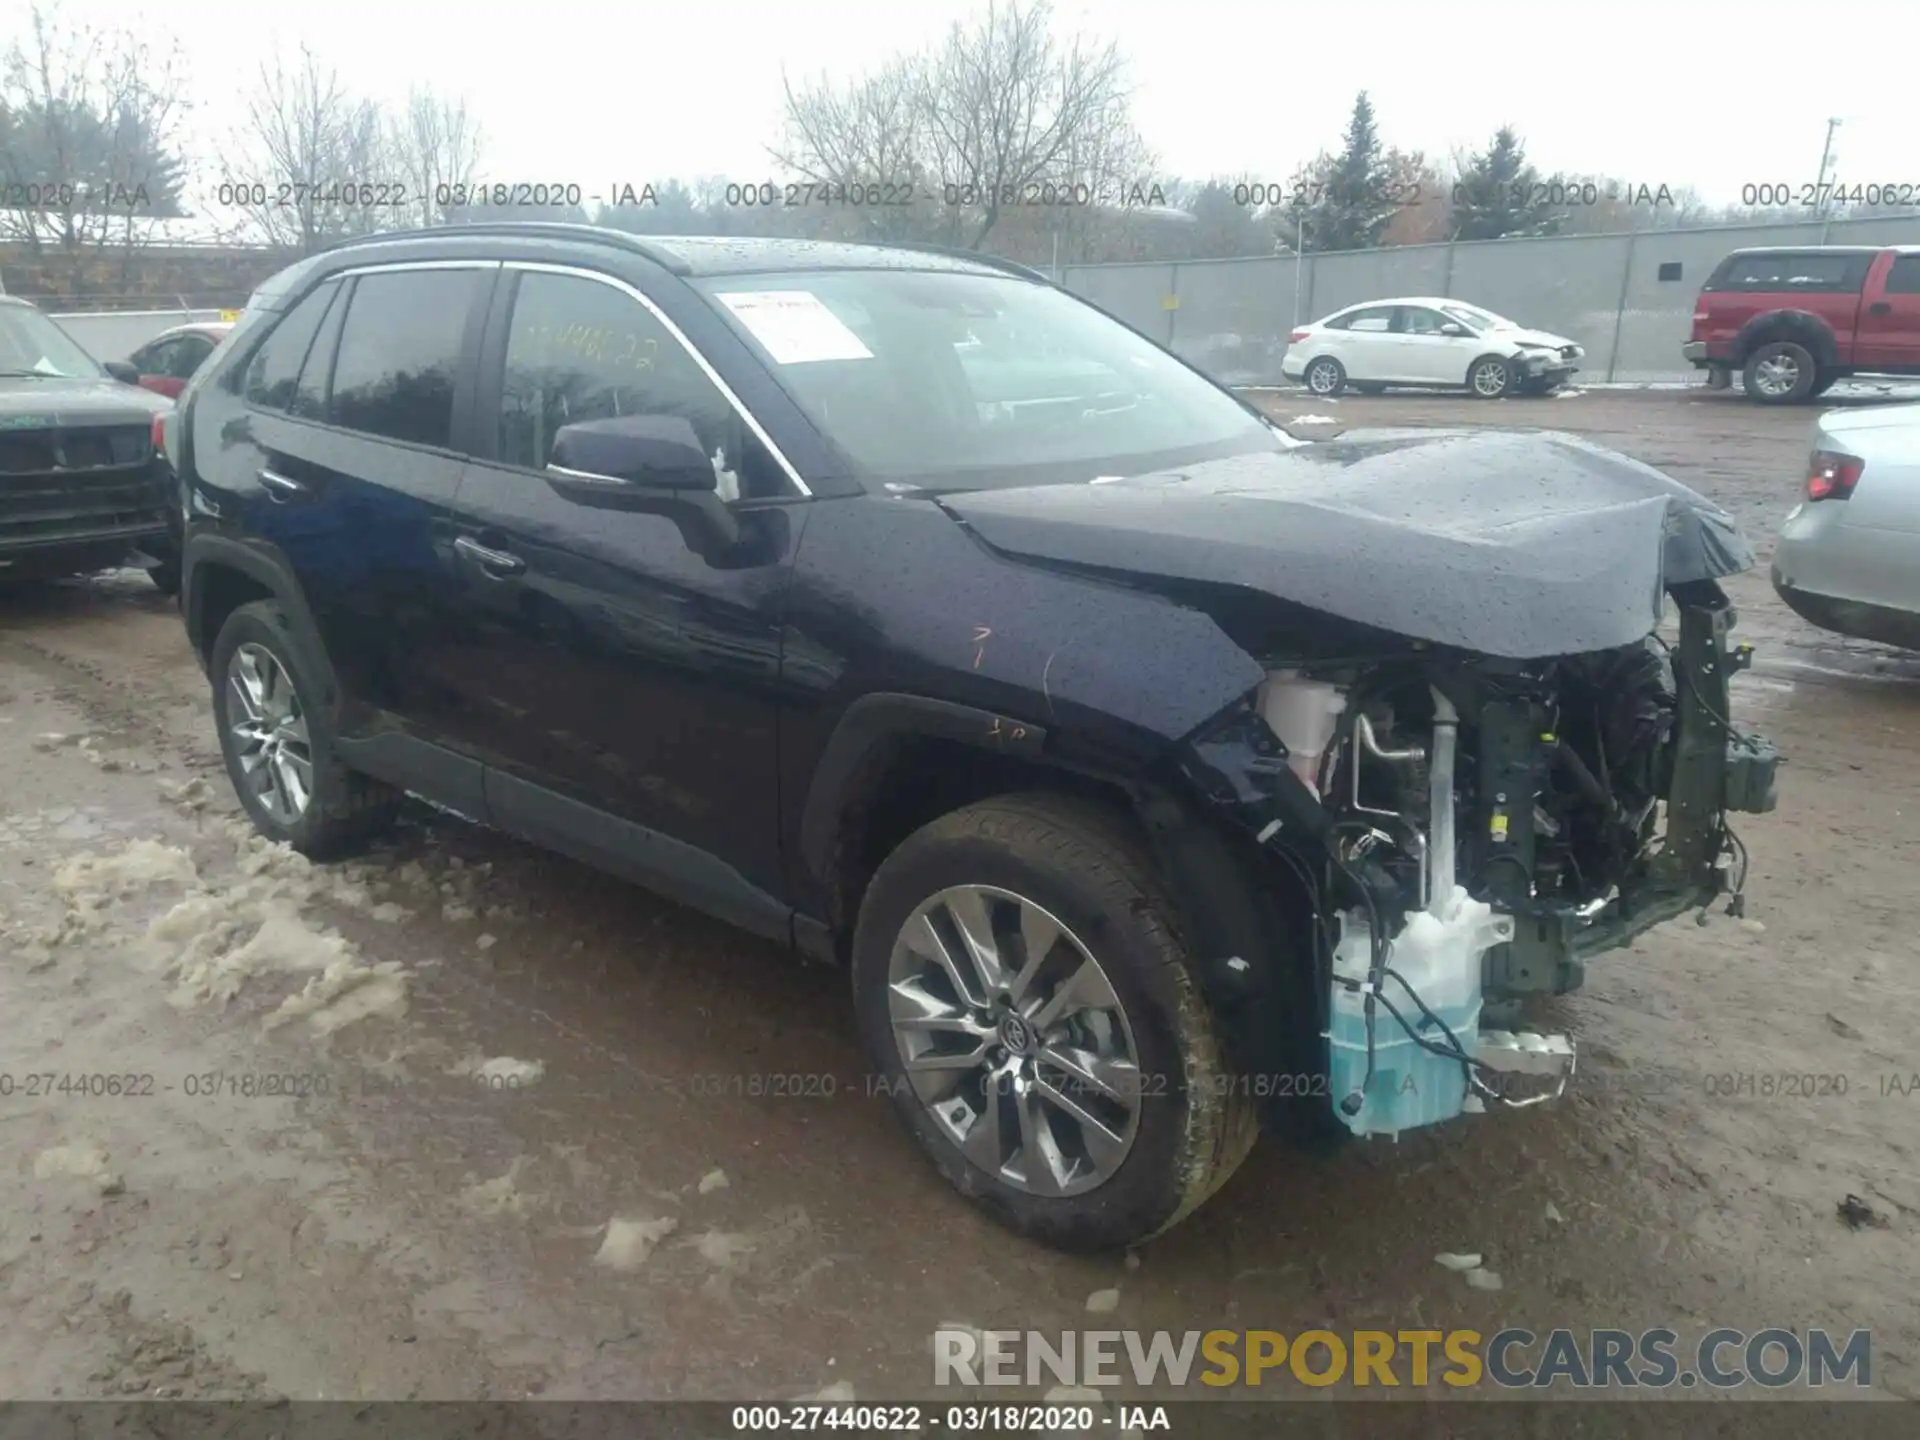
{"x":621,"y":684}
{"x":1428,"y":354}
{"x":1889,"y":331}
{"x":357,"y":463}
{"x":1362,"y":342}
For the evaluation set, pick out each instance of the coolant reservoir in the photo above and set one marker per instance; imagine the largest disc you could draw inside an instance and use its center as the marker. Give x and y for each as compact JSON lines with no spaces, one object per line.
{"x":1303,"y":713}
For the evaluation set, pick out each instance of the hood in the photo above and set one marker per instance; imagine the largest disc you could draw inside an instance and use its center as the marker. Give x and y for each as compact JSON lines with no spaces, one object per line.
{"x":1513,"y":544}
{"x":50,"y":402}
{"x":1535,"y":337}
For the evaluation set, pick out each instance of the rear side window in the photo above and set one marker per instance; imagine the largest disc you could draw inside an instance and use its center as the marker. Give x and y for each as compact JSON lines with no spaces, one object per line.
{"x":1811,"y":270}
{"x":399,"y":354}
{"x":274,"y":372}
{"x":1904,"y":277}
{"x":1376,"y":319}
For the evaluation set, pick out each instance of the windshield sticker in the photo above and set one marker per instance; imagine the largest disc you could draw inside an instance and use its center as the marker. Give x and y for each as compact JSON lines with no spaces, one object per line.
{"x":795,"y":327}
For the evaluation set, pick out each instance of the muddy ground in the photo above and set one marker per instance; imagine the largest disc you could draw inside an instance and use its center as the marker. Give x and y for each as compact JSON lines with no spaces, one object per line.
{"x":539,"y":1156}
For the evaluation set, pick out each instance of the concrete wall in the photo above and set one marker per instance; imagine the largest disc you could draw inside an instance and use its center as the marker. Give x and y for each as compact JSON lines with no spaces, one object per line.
{"x":116,"y":335}
{"x":1231,"y":317}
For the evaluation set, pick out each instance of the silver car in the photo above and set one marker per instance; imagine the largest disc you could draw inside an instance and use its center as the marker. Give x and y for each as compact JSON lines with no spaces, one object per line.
{"x":1849,"y":554}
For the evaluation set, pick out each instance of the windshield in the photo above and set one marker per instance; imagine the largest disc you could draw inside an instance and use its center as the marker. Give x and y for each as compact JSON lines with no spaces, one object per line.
{"x":953,"y":381}
{"x":1480,"y":319}
{"x":31,"y":344}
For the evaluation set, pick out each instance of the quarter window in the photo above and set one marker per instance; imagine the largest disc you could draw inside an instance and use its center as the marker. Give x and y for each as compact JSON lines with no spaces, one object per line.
{"x":1904,"y":277}
{"x":274,"y":371}
{"x":578,"y":349}
{"x":399,"y":354}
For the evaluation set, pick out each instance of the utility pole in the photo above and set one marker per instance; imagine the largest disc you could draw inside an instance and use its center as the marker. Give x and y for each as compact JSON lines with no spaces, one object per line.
{"x":1826,"y":157}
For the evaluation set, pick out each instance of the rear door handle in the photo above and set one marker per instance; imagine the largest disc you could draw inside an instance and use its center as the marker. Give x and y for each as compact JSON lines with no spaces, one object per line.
{"x":1880,"y":307}
{"x":282,"y":487}
{"x":498,"y":563}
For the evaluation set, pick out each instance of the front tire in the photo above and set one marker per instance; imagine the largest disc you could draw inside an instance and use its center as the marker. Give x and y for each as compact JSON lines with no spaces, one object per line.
{"x":1490,"y":378}
{"x":1024,"y":994}
{"x":1326,"y":377}
{"x":277,"y":740}
{"x":1780,"y":373}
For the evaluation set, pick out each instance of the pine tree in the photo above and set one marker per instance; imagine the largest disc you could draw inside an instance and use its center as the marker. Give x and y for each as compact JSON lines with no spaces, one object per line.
{"x":1345,"y":201}
{"x":1499,"y":193}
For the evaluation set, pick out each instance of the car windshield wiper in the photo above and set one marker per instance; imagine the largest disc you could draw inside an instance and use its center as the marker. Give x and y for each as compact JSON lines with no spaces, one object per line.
{"x":35,"y":375}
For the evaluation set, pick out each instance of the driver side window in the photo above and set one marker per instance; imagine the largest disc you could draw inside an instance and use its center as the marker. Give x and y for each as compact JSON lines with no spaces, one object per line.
{"x":578,"y":349}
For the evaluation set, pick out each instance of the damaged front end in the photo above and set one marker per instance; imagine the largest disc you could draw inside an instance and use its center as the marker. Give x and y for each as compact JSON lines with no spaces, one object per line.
{"x":1474,"y":829}
{"x":1472,"y":748}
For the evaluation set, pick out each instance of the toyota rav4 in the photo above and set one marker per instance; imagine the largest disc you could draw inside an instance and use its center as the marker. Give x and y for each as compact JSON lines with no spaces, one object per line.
{"x":1156,"y":777}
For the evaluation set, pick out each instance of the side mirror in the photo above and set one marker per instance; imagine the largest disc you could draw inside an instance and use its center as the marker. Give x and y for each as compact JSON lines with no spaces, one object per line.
{"x":1455,"y":332}
{"x":120,"y":370}
{"x":644,"y":464}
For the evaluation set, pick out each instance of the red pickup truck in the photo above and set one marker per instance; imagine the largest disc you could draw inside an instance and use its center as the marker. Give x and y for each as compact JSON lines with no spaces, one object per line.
{"x":1794,"y":321}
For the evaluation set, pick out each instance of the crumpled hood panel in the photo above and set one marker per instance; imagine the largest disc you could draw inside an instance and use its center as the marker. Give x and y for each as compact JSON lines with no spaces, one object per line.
{"x":1514,"y":544}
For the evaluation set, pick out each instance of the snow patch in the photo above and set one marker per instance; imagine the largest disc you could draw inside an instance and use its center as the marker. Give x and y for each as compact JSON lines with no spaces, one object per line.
{"x":501,"y":1072}
{"x":630,"y":1242}
{"x":719,"y":1248}
{"x":344,"y":992}
{"x":502,"y":1195}
{"x":88,"y":882}
{"x":711,"y":1181}
{"x":1314,"y":420}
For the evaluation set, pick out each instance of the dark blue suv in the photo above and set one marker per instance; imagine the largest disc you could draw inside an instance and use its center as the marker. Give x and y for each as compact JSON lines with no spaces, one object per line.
{"x":907,"y":610}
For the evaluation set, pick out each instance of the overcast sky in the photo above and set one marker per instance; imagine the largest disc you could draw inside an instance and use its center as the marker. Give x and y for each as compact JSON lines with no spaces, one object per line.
{"x":598,"y":91}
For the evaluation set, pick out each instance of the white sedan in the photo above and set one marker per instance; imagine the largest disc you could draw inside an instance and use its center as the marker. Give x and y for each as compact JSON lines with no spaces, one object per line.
{"x":1849,"y":553}
{"x":1431,"y":342}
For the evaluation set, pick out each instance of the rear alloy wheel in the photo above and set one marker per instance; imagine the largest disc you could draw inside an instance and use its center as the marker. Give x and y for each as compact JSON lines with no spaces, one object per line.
{"x":1326,"y":377}
{"x":1490,"y":377}
{"x":277,"y":740}
{"x":1780,"y":373}
{"x":1040,"y":1028}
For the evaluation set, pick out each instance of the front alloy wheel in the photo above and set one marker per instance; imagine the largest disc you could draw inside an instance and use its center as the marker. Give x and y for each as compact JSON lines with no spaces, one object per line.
{"x":269,"y":733}
{"x":1040,"y":1028}
{"x":1490,"y":378}
{"x":1014,"y":1040}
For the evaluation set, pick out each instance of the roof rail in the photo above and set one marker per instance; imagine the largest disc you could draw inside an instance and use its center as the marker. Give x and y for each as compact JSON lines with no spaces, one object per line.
{"x":955,"y":252}
{"x":551,"y":229}
{"x":642,"y":245}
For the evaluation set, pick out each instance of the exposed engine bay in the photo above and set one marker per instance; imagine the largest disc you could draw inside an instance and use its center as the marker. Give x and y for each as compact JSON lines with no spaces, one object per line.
{"x":1491,"y":823}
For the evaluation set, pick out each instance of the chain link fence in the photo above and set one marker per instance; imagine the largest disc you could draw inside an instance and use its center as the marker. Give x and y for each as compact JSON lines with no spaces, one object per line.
{"x":1627,"y":298}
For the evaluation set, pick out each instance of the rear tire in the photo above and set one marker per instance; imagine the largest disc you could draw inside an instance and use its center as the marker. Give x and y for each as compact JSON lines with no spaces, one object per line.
{"x":1780,"y":372}
{"x":277,"y":740}
{"x":1325,"y":377}
{"x":1020,"y":866}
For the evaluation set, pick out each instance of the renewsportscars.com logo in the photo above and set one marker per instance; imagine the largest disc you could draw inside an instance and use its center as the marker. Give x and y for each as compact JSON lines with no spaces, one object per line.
{"x":1656,"y":1359}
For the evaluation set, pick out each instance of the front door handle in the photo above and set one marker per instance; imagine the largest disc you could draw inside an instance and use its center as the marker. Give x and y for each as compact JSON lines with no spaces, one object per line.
{"x":1880,"y":307}
{"x":498,"y":563}
{"x":282,"y":487}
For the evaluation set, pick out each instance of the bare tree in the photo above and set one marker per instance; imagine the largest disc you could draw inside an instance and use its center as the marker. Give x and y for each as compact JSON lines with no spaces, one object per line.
{"x":869,"y":134}
{"x":89,"y":130}
{"x":435,"y":143}
{"x":312,"y":162}
{"x":1006,"y":104}
{"x":999,"y":116}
